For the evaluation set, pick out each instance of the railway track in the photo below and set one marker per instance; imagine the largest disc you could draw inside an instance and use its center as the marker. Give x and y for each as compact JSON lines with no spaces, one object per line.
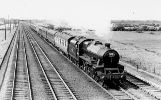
{"x":58,"y":88}
{"x":21,"y":84}
{"x":144,"y":86}
{"x":19,"y":87}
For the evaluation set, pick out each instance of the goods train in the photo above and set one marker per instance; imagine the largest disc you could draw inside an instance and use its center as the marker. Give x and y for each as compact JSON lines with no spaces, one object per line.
{"x":98,"y":60}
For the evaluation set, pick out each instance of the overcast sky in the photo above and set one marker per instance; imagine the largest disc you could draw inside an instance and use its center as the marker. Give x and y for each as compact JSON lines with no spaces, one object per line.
{"x":94,"y":14}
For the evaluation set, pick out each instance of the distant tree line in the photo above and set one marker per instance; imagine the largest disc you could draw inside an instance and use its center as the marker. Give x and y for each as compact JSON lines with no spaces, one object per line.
{"x":141,"y":27}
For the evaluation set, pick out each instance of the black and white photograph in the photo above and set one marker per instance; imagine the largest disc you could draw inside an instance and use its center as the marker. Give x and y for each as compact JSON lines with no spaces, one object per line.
{"x":80,"y":50}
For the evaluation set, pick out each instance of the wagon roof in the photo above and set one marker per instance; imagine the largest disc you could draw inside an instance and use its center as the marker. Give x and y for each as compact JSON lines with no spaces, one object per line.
{"x":64,"y":35}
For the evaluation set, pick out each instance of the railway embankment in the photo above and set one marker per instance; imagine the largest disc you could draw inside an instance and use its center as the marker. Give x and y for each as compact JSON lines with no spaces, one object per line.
{"x":4,"y":47}
{"x":150,"y":78}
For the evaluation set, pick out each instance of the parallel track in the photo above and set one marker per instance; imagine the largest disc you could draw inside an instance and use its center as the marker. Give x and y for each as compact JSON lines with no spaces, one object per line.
{"x":19,"y":86}
{"x":41,"y":88}
{"x":21,"y":83}
{"x":144,"y":86}
{"x":59,"y":88}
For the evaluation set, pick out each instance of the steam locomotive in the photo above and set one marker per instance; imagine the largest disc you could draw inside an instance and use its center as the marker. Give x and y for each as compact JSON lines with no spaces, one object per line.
{"x":98,"y":60}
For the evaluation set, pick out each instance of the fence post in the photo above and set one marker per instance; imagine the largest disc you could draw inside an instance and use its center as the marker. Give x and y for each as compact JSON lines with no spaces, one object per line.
{"x":154,"y":70}
{"x":5,"y":28}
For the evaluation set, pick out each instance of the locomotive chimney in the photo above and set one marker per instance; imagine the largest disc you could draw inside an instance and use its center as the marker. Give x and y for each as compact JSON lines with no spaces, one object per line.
{"x":107,"y":45}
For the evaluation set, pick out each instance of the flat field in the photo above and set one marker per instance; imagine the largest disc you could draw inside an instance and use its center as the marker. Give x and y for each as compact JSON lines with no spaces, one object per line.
{"x":143,"y":50}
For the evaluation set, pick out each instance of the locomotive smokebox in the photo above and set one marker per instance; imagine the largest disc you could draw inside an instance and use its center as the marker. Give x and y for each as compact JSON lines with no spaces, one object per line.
{"x":111,"y":58}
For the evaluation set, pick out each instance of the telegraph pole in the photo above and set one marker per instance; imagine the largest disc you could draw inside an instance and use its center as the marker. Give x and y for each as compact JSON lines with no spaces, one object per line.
{"x":5,"y":28}
{"x":10,"y":25}
{"x":8,"y":22}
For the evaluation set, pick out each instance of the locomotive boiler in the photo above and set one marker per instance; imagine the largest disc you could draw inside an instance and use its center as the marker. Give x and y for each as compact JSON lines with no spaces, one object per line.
{"x":97,"y":59}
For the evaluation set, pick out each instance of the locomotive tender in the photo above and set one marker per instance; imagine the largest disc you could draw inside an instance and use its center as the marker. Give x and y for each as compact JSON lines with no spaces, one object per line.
{"x":98,"y":60}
